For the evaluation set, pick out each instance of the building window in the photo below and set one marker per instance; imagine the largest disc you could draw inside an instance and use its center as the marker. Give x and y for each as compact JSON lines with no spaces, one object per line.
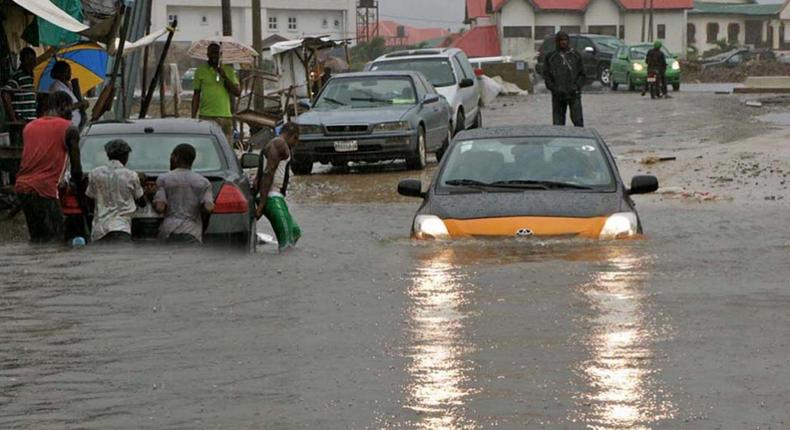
{"x":292,"y":23}
{"x":733,"y":30}
{"x":661,"y":31}
{"x":691,"y":34}
{"x":520,"y":31}
{"x":272,"y":23}
{"x":204,"y":20}
{"x":713,"y":32}
{"x":606,"y":30}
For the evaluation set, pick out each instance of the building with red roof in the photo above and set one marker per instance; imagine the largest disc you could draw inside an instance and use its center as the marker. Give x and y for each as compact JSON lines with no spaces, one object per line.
{"x":403,"y":35}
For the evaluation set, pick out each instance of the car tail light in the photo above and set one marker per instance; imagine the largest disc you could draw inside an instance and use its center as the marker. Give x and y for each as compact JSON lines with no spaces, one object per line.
{"x":230,"y":200}
{"x":69,"y":203}
{"x":479,"y":72}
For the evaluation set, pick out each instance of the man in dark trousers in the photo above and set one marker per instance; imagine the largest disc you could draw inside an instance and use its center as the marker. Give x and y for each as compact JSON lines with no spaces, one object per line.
{"x":657,"y":62}
{"x":49,"y":142}
{"x":564,"y":76}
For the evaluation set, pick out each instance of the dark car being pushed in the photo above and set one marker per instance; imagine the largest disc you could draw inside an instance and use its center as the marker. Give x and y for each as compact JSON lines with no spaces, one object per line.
{"x":596,"y":51}
{"x":233,"y":220}
{"x":520,"y":182}
{"x":373,"y":116}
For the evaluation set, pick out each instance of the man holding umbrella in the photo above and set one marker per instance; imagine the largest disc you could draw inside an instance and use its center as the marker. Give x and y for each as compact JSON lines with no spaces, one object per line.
{"x":214,"y":83}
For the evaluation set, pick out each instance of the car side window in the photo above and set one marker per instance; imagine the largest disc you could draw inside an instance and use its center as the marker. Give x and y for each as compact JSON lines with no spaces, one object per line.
{"x":460,"y":68}
{"x":464,"y":60}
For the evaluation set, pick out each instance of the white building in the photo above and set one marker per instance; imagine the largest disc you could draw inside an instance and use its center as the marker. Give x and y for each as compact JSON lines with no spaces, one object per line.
{"x":291,"y":19}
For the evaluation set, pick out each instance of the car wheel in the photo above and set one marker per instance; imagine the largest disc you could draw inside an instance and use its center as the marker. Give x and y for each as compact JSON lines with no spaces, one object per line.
{"x":604,"y":75}
{"x":418,"y":159}
{"x":676,"y":87}
{"x":631,"y":86}
{"x":460,"y":122}
{"x":440,"y":152}
{"x":301,"y":166}
{"x":478,"y":120}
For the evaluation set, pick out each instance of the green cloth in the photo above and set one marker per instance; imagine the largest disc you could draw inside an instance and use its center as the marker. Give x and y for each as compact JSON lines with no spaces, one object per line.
{"x":285,"y":228}
{"x":52,"y":35}
{"x":214,"y":97}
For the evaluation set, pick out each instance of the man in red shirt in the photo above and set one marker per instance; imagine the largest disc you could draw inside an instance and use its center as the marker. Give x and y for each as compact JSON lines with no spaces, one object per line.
{"x":48,"y":142}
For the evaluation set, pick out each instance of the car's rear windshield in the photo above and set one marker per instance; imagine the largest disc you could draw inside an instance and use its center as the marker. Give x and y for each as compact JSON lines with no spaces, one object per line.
{"x":366,"y":92}
{"x":640,"y":52}
{"x":569,"y":160}
{"x":438,"y":71}
{"x":151,"y":152}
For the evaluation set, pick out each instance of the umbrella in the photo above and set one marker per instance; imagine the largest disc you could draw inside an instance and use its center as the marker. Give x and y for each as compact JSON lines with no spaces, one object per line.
{"x":233,"y":52}
{"x":88,"y":63}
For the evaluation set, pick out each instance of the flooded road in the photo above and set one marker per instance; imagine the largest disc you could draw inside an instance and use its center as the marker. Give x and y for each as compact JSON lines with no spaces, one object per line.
{"x":360,"y":327}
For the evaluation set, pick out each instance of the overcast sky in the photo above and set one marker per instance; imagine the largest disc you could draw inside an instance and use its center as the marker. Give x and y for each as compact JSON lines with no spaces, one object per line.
{"x":424,"y":13}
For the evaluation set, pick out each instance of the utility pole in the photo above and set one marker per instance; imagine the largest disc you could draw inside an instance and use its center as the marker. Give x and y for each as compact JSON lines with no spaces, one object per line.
{"x":257,"y":37}
{"x":227,"y":25}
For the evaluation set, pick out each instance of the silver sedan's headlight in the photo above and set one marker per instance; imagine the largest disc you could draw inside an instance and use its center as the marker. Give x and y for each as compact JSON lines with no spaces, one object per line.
{"x":393,"y":126}
{"x":620,"y":226}
{"x":310,"y":129}
{"x":430,"y":227}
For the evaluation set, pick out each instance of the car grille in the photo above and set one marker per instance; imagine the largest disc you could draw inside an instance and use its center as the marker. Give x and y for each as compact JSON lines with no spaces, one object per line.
{"x":362,"y":148}
{"x":347,"y":129}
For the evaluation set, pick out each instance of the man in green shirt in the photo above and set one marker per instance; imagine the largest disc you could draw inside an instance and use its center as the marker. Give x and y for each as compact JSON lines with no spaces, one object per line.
{"x":214,"y":83}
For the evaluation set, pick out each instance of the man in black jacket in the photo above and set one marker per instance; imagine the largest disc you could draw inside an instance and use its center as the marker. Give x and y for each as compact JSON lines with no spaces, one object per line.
{"x":564,"y":76}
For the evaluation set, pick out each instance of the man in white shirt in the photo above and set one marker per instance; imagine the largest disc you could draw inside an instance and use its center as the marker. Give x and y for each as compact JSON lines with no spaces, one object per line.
{"x":61,"y":75}
{"x":117,"y":192}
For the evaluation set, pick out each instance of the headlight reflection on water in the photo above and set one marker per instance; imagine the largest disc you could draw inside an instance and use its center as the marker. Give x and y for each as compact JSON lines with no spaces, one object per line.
{"x":439,"y":370}
{"x":624,"y":392}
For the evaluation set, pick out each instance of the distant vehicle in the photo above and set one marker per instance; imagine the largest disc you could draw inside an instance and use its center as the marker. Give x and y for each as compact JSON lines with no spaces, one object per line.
{"x":152,"y":141}
{"x":596,"y":51}
{"x":187,"y":81}
{"x":528,"y":181}
{"x":373,"y":116}
{"x":629,"y":67}
{"x":450,"y":71}
{"x":735,"y":57}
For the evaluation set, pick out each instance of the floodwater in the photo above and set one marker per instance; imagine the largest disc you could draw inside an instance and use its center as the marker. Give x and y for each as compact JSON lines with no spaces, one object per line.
{"x":360,"y":327}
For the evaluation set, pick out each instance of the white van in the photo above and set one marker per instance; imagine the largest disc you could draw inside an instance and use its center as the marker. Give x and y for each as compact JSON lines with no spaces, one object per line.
{"x":449,"y":70}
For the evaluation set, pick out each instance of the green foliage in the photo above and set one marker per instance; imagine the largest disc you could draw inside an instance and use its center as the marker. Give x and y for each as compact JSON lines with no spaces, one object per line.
{"x":367,"y":51}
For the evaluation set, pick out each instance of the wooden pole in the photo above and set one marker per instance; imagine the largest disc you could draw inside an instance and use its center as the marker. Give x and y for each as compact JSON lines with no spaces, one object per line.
{"x":227,"y":23}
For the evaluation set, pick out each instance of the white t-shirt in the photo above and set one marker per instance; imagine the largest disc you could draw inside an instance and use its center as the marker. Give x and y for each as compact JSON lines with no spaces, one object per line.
{"x":76,"y":116}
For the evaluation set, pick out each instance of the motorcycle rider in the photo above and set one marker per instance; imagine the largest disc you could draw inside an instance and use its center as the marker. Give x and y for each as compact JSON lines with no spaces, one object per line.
{"x":657,"y":63}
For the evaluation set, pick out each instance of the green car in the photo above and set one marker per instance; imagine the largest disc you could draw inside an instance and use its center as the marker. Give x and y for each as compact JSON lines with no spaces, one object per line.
{"x":629,"y":68}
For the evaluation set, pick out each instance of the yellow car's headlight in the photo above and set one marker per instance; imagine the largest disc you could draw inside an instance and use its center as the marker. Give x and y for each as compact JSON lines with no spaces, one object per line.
{"x":430,"y":227}
{"x":620,"y":226}
{"x":638,"y":67}
{"x":676,"y":66}
{"x":393,"y":126}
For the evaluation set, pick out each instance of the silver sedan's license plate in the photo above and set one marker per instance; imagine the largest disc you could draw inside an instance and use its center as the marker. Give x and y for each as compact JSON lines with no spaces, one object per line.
{"x":346,"y":145}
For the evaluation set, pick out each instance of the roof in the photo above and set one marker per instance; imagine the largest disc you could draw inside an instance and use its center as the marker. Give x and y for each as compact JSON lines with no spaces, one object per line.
{"x":581,"y":5}
{"x":159,"y":125}
{"x":414,"y":35}
{"x":527,"y":131}
{"x":749,"y":9}
{"x":482,"y":41}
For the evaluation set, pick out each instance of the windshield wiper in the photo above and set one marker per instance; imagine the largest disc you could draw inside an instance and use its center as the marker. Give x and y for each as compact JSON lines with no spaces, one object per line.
{"x":337,"y":102}
{"x":542,"y":184}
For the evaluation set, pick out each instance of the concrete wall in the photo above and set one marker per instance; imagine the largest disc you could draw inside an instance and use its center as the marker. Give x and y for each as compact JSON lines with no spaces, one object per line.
{"x":517,"y":13}
{"x":310,"y":15}
{"x":674,"y":21}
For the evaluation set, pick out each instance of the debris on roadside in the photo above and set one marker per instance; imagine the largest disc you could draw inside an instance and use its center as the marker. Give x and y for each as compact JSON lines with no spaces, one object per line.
{"x":654,"y":159}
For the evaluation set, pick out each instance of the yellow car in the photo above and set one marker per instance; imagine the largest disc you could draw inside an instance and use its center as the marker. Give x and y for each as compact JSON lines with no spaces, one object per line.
{"x":530,"y":181}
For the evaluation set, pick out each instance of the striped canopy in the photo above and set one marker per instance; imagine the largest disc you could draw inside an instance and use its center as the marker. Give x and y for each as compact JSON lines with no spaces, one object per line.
{"x":233,"y":52}
{"x":88,"y":63}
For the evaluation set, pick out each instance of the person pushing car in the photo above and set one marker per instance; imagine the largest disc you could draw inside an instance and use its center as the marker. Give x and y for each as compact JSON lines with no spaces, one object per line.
{"x":564,"y":77}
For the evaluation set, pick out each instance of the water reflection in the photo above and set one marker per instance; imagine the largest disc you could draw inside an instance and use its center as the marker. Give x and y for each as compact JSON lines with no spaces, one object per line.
{"x":625,"y":392}
{"x":439,"y":371}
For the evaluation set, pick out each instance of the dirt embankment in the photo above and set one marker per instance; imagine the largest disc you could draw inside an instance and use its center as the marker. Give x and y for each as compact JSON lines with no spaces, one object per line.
{"x":694,"y":73}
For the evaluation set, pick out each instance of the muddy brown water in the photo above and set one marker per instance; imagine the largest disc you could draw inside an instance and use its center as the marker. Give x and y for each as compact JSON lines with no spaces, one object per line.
{"x":360,"y":327}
